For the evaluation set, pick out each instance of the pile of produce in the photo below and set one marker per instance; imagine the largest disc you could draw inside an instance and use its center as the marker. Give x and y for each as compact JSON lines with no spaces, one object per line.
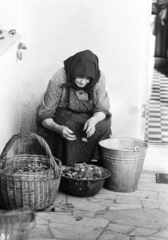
{"x":30,"y":168}
{"x":83,"y":171}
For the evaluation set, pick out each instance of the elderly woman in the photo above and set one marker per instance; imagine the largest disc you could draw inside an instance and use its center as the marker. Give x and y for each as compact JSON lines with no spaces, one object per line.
{"x":75,"y":110}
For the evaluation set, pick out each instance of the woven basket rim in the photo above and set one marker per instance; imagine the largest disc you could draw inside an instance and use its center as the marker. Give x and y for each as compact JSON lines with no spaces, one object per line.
{"x":30,"y":157}
{"x":28,"y":174}
{"x":4,"y":158}
{"x":26,"y":154}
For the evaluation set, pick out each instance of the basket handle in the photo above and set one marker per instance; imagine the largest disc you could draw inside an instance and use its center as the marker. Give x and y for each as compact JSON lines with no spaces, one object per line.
{"x":9,"y":144}
{"x":47,"y":149}
{"x":40,"y":140}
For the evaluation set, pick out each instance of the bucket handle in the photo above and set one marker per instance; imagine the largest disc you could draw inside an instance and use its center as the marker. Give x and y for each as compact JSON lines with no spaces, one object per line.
{"x":136,"y":149}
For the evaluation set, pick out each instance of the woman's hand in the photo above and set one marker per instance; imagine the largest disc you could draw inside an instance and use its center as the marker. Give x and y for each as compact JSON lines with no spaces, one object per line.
{"x":91,"y":123}
{"x":89,"y":127}
{"x":67,"y":133}
{"x":63,"y":130}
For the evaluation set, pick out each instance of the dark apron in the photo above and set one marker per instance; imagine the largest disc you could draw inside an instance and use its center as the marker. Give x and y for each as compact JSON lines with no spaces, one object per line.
{"x":70,"y":152}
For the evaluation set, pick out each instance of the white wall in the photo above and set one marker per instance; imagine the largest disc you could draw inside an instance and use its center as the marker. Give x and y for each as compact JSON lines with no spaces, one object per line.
{"x":9,"y":14}
{"x":117,"y":31}
{"x":10,"y":95}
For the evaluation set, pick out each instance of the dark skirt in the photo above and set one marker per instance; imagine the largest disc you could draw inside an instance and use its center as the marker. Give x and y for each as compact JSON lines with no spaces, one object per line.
{"x":70,"y":152}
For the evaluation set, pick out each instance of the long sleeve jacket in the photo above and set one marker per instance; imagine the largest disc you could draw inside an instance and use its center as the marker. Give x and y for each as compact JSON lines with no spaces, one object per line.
{"x":57,"y":96}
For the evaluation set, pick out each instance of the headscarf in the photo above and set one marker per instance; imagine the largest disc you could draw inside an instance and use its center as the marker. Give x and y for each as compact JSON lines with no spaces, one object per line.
{"x":84,"y":63}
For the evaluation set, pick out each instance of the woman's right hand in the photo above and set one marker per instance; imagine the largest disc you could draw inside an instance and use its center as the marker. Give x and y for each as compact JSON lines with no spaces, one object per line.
{"x":63,"y":130}
{"x":67,"y":133}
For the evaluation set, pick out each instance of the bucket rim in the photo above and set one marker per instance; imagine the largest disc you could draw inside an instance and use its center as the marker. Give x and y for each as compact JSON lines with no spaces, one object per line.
{"x":124,"y":138}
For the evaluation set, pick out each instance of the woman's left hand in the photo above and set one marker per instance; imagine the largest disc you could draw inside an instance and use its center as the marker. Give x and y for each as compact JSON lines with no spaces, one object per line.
{"x":89,"y":127}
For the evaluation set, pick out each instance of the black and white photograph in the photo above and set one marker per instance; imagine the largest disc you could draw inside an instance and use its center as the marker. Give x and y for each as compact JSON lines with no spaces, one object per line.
{"x":84,"y":120}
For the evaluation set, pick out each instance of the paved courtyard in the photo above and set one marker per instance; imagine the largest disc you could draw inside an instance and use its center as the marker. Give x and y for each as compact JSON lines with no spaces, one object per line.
{"x":140,"y":215}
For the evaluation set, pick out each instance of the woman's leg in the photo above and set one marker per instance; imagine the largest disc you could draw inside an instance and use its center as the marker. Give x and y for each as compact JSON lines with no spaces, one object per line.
{"x":70,"y":152}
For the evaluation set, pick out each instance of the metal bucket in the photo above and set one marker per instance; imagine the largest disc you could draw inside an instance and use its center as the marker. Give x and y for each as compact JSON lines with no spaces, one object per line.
{"x":124,"y":158}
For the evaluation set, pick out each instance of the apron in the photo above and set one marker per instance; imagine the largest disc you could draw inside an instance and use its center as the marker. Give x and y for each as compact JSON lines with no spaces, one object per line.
{"x":74,"y":117}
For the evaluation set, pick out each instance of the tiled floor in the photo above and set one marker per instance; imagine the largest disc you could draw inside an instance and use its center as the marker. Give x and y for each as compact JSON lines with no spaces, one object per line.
{"x":139,"y":215}
{"x":156,"y":158}
{"x":157,"y":107}
{"x":109,"y":215}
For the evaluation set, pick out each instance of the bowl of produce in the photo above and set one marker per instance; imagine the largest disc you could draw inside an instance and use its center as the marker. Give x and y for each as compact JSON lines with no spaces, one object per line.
{"x":83,"y":180}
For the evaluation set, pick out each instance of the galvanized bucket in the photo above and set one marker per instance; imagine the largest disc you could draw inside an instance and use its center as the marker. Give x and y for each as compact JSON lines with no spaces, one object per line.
{"x":124,"y":158}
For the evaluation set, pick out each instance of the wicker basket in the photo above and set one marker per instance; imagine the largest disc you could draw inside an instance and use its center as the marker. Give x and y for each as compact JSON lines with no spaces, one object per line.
{"x":36,"y":190}
{"x":16,"y":224}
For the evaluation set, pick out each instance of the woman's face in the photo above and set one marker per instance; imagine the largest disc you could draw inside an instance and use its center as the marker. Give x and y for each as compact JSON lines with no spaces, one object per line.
{"x":82,"y":81}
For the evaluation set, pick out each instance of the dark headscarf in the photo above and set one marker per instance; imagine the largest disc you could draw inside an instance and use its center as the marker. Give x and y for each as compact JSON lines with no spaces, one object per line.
{"x":84,"y":63}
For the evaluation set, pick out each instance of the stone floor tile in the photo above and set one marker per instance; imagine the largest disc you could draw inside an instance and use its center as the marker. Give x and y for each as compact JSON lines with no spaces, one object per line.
{"x":106,"y":202}
{"x":55,"y":218}
{"x":106,"y":191}
{"x":153,"y":187}
{"x":42,"y":228}
{"x":148,"y":178}
{"x":128,"y":199}
{"x":66,"y":231}
{"x":164,"y":208}
{"x":61,"y":199}
{"x":123,"y":193}
{"x":39,"y":234}
{"x":142,"y":232}
{"x":86,"y":205}
{"x":162,"y":234}
{"x":105,"y":194}
{"x":125,"y":206}
{"x":154,"y":218}
{"x":60,"y":208}
{"x":78,"y":213}
{"x":109,"y":235}
{"x":144,"y":194}
{"x":150,"y":203}
{"x":139,"y":193}
{"x":48,"y":216}
{"x":163,"y":200}
{"x":140,"y":238}
{"x":163,"y":197}
{"x":44,"y":239}
{"x":41,"y":220}
{"x":138,"y":215}
{"x":120,"y":228}
{"x":59,"y":204}
{"x":148,"y":238}
{"x":148,"y":172}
